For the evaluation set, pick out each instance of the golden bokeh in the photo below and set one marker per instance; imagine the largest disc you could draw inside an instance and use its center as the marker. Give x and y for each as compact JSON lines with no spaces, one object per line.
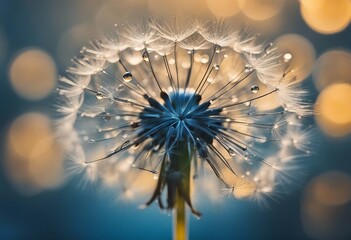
{"x":334,"y":110}
{"x":324,"y":204}
{"x":223,"y":8}
{"x":332,"y":188}
{"x":326,"y":16}
{"x":299,"y":53}
{"x":33,"y":74}
{"x":260,"y":9}
{"x":34,"y":159}
{"x":332,"y":67}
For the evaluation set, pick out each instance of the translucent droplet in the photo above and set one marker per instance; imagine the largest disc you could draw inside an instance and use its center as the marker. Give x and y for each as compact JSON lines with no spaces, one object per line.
{"x":146,"y":56}
{"x":171,"y":61}
{"x":107,"y":117}
{"x":120,"y":88}
{"x":99,"y":95}
{"x":287,"y":57}
{"x":231,"y":152}
{"x":205,"y":58}
{"x":218,"y":49}
{"x":189,"y":51}
{"x":216,"y":67}
{"x":127,"y":76}
{"x":255,"y":89}
{"x":248,"y":68}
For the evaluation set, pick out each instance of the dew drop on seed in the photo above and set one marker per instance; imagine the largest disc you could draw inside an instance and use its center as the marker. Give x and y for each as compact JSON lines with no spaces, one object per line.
{"x":216,"y":67}
{"x":120,"y":88}
{"x":218,"y":49}
{"x":255,"y":89}
{"x":107,"y":117}
{"x":231,"y":152}
{"x":145,"y":56}
{"x":99,"y":95}
{"x":287,"y":57}
{"x":127,"y":77}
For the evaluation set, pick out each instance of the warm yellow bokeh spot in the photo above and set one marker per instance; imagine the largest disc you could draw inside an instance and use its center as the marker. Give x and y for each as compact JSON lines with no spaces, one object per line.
{"x":334,"y":109}
{"x":332,"y":188}
{"x":332,"y":67}
{"x":326,"y":16}
{"x":223,"y":8}
{"x":33,"y":74}
{"x":34,"y":158}
{"x":260,"y":9}
{"x":299,"y":53}
{"x":324,"y":205}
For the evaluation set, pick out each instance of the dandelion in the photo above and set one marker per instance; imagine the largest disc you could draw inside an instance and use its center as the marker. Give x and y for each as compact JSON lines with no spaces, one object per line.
{"x":178,"y":99}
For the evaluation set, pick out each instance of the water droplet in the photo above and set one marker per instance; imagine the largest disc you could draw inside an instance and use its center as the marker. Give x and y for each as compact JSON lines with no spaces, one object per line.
{"x":218,"y":49}
{"x":255,"y":89}
{"x":231,"y":152}
{"x":248,"y":68}
{"x":146,"y":56}
{"x":216,"y":67}
{"x":127,"y":76}
{"x":99,"y":95}
{"x":189,"y":51}
{"x":107,"y":117}
{"x":171,"y":61}
{"x":120,"y":88}
{"x":205,"y":58}
{"x":287,"y":57}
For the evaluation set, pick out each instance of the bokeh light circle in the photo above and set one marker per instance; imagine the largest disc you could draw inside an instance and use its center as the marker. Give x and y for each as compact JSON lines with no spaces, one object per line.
{"x":299,"y":52}
{"x":332,"y":67}
{"x":325,"y":204}
{"x":223,"y":8}
{"x":260,"y":9}
{"x":34,"y":158}
{"x":326,"y":16}
{"x":334,"y":109}
{"x":33,"y":74}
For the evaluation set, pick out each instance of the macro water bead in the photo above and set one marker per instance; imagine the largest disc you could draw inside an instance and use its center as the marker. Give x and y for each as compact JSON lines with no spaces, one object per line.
{"x":180,"y":100}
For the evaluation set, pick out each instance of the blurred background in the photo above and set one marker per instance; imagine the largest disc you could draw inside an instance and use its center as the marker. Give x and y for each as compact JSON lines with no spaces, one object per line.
{"x":39,"y":37}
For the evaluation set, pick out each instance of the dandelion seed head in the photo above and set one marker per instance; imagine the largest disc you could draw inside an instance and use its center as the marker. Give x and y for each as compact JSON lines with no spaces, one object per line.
{"x":152,"y":96}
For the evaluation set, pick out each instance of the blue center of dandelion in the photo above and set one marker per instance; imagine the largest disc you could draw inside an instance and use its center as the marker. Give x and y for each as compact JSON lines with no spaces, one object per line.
{"x":180,"y":117}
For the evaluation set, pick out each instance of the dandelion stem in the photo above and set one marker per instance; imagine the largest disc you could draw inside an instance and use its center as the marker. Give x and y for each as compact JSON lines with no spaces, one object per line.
{"x":179,"y":219}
